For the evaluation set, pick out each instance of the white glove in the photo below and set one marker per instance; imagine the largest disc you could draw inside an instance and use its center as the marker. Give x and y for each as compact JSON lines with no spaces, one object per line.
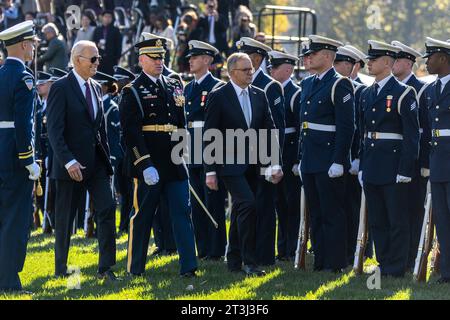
{"x":296,"y":170}
{"x":35,"y":171}
{"x":46,"y":163}
{"x":360,"y":178}
{"x":424,"y":172}
{"x":354,"y":168}
{"x":151,"y":176}
{"x":402,"y":179}
{"x":336,"y":170}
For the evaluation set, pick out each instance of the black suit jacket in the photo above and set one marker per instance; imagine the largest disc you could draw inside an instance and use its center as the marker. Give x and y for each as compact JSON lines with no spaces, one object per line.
{"x":220,"y":32}
{"x":71,"y":132}
{"x":113,"y":48}
{"x":223,"y":111}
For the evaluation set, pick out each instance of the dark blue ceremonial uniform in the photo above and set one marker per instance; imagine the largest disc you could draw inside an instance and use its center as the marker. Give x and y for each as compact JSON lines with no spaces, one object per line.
{"x":328,"y":103}
{"x":266,"y":219}
{"x":211,"y":242}
{"x":394,"y":111}
{"x":16,"y":152}
{"x":288,"y":190}
{"x":418,"y":186}
{"x":438,"y":103}
{"x":144,"y":103}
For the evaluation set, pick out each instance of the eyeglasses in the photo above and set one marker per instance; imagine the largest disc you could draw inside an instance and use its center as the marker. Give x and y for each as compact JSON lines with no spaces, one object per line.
{"x":246,"y":70}
{"x":93,"y":59}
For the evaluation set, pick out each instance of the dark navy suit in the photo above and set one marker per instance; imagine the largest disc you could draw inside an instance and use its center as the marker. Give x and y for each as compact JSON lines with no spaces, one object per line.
{"x":242,"y":180}
{"x":288,"y":190}
{"x":439,"y":114}
{"x":266,"y":220}
{"x":144,"y":103}
{"x":329,"y":102}
{"x":211,"y":242}
{"x":381,"y":161}
{"x":16,"y":151}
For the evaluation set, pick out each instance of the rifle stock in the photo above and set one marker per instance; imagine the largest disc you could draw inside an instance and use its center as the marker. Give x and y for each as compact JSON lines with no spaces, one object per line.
{"x":426,"y":241}
{"x":303,"y":234}
{"x":361,"y":242}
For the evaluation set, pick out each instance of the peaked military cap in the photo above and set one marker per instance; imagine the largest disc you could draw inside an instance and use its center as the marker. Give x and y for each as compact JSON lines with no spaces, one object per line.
{"x":198,"y":48}
{"x":345,"y":54}
{"x":154,"y":47}
{"x":102,"y":78}
{"x":380,"y":49}
{"x":406,"y":52}
{"x":18,"y":33}
{"x":44,"y":77}
{"x":167,"y":44}
{"x":249,"y":46}
{"x":361,"y":55}
{"x":57,"y":73}
{"x":317,"y":43}
{"x":278,"y":58}
{"x":434,"y":46}
{"x":122,"y":73}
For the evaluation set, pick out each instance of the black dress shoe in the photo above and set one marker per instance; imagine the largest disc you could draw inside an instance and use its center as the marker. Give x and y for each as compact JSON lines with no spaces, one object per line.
{"x":189,"y":274}
{"x":443,"y":280}
{"x":108,"y":275}
{"x":252,"y":271}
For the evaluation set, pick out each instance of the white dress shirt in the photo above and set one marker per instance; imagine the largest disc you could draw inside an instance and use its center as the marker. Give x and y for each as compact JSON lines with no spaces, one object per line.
{"x":444,"y":82}
{"x":199,"y":81}
{"x":383,"y":82}
{"x":154,"y":79}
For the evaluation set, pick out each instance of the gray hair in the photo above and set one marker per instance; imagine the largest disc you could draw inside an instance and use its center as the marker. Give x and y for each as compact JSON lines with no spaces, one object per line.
{"x":234,"y":58}
{"x":78,"y":48}
{"x":51,"y":26}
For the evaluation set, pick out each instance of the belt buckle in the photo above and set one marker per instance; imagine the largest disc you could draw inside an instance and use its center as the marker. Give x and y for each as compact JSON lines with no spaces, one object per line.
{"x":167,"y":127}
{"x":373,"y":136}
{"x":305,"y":125}
{"x":436,"y":133}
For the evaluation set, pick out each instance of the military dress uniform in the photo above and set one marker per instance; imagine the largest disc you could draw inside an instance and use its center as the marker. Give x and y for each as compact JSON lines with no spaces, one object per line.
{"x":162,"y":232}
{"x":17,"y":89}
{"x":288,"y":190}
{"x":389,"y":120}
{"x":418,"y":185}
{"x":150,"y":110}
{"x":438,"y":107}
{"x":211,"y":242}
{"x":327,"y":124}
{"x":266,"y":218}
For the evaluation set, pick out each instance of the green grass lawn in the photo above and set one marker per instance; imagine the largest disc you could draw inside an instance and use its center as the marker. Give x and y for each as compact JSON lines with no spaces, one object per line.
{"x":162,"y":281}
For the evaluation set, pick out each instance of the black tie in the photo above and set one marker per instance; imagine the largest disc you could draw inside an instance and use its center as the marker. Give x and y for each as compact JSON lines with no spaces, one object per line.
{"x":195,"y":86}
{"x":438,"y":88}
{"x":375,"y":90}
{"x":161,"y":87}
{"x":316,"y":82}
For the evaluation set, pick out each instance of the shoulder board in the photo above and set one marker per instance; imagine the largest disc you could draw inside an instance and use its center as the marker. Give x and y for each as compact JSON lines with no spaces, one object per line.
{"x":400,"y":100}
{"x":294,"y":96}
{"x":335,"y":85}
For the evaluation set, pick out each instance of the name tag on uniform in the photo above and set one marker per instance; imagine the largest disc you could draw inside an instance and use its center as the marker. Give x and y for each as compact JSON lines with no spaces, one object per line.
{"x":150,"y":96}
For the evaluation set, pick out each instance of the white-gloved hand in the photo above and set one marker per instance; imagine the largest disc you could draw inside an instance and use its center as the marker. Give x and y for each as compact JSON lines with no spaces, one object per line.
{"x":425,"y":172}
{"x":151,"y":176}
{"x":35,"y":171}
{"x":336,"y":170}
{"x":296,"y":170}
{"x":354,"y":169}
{"x":360,"y":178}
{"x":268,"y":174}
{"x":402,"y":179}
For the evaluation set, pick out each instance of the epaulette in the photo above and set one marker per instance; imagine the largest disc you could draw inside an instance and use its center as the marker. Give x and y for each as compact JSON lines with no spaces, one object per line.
{"x":335,"y":85}
{"x":270,"y":83}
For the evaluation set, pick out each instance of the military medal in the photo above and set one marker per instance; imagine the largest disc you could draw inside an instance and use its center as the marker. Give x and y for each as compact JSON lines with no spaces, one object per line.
{"x":389,"y":103}
{"x":179,"y":97}
{"x":203,"y":99}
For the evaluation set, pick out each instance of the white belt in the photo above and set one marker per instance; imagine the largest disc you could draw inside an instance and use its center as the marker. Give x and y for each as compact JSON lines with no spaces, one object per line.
{"x":6,"y":124}
{"x":440,"y":132}
{"x":290,"y":130}
{"x":196,"y":124}
{"x":384,"y":135}
{"x":318,"y":127}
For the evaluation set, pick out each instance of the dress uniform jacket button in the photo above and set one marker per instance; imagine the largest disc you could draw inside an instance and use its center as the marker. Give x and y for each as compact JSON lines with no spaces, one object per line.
{"x":373,"y":109}
{"x":306,"y":113}
{"x":437,"y":119}
{"x":435,"y":143}
{"x":372,"y":145}
{"x":309,"y":102}
{"x":189,"y":102}
{"x":437,"y":107}
{"x":373,"y":121}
